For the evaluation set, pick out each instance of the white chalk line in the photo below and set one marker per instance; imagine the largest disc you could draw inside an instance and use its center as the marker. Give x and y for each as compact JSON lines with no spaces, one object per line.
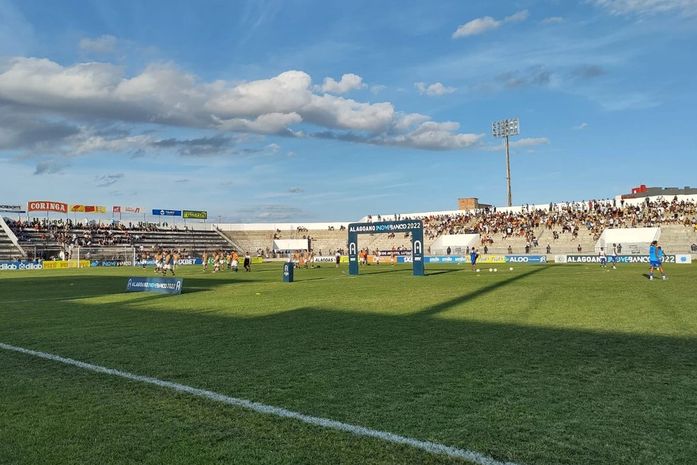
{"x":428,"y":446}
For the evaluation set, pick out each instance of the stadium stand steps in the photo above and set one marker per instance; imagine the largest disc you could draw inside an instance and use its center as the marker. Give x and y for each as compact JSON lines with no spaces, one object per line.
{"x":8,"y":249}
{"x":44,"y":244}
{"x":678,"y":238}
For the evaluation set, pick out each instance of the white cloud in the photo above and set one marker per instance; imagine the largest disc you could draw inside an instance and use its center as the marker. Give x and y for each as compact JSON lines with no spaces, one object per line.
{"x":102,"y":44}
{"x":164,"y":95}
{"x":347,"y":83}
{"x":476,"y":27}
{"x":341,"y":113}
{"x":268,"y":123}
{"x":435,"y":89}
{"x":517,"y":17}
{"x":581,"y":126}
{"x":519,"y":143}
{"x":647,"y":7}
{"x":487,"y":23}
{"x":87,"y":142}
{"x":552,"y":20}
{"x":436,"y":136}
{"x":530,"y":142}
{"x":406,"y":121}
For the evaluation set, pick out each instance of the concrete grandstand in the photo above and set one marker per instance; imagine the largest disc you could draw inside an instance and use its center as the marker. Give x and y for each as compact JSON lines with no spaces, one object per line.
{"x":546,"y":229}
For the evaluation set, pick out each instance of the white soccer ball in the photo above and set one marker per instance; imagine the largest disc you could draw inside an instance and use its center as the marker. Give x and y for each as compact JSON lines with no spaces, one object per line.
{"x":510,"y":269}
{"x":478,"y":271}
{"x":495,"y":270}
{"x":490,"y":270}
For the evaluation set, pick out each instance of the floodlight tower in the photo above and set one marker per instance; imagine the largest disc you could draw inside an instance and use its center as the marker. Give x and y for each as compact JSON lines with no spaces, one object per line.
{"x":503,"y":130}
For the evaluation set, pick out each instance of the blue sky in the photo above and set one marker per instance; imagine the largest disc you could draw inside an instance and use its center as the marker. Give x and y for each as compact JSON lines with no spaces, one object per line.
{"x":312,"y":111}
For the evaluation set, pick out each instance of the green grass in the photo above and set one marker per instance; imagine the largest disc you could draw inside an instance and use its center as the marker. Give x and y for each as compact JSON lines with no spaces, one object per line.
{"x":542,"y":365}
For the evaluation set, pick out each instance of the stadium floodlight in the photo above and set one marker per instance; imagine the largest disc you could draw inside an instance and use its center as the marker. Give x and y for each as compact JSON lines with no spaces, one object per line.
{"x":503,"y":130}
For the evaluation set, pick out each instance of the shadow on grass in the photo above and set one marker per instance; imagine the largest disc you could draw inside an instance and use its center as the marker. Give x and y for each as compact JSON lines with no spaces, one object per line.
{"x":77,"y":286}
{"x":436,"y":273}
{"x":448,"y":304}
{"x":527,"y":394}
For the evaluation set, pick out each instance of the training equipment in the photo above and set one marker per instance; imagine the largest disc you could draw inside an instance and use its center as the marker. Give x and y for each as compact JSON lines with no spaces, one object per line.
{"x":496,"y":270}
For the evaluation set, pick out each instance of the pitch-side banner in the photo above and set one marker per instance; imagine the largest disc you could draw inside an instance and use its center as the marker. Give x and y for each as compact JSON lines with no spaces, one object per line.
{"x":195,"y":214}
{"x":159,"y":285}
{"x":11,"y":209}
{"x":681,"y":259}
{"x":120,"y":209}
{"x":87,"y":209}
{"x":165,"y":212}
{"x":330,"y":259}
{"x":14,"y":265}
{"x":47,"y":206}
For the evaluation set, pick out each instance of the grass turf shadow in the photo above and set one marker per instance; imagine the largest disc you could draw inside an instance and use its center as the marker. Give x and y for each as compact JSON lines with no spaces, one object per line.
{"x":528,"y":394}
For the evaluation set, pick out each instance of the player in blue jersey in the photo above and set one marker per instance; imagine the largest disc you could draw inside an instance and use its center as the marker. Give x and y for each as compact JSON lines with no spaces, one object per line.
{"x":473,"y":258}
{"x":655,"y":260}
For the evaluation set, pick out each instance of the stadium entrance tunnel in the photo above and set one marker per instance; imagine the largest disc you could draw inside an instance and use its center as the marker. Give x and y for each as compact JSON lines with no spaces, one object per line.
{"x":415,"y":229}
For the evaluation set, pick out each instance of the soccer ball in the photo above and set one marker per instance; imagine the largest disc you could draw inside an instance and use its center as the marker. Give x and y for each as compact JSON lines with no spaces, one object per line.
{"x":490,"y":270}
{"x":510,"y":269}
{"x":495,"y":270}
{"x":478,"y":271}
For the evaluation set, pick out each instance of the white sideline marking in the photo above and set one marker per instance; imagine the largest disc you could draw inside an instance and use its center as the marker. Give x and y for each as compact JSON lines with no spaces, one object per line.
{"x":432,"y":447}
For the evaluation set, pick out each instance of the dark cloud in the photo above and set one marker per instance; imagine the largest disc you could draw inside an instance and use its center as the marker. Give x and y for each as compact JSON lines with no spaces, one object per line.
{"x":26,"y":132}
{"x":106,"y":180}
{"x":50,"y":167}
{"x":213,"y":145}
{"x":533,"y":76}
{"x":588,"y":71}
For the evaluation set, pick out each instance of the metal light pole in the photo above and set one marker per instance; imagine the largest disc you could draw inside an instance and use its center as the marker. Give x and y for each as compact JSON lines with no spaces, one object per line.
{"x":503,"y":130}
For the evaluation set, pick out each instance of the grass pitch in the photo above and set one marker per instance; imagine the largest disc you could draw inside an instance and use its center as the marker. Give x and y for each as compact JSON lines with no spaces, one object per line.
{"x":541,"y":365}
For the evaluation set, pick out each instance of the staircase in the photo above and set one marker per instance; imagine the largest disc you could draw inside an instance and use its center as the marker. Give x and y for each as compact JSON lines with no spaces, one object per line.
{"x":9,"y":249}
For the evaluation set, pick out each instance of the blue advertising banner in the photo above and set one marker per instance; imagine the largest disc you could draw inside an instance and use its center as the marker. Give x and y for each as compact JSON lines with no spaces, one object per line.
{"x":111,"y":263}
{"x":526,"y":259}
{"x":621,"y":259}
{"x":164,"y":212}
{"x":14,"y":265}
{"x":159,"y":285}
{"x":444,"y":259}
{"x":484,"y":259}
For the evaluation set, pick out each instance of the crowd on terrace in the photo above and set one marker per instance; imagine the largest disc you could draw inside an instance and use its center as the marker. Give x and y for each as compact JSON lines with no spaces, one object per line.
{"x":91,"y":234}
{"x":589,"y":218}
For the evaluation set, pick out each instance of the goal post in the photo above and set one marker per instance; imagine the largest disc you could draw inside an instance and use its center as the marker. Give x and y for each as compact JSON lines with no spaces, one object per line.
{"x":107,"y":256}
